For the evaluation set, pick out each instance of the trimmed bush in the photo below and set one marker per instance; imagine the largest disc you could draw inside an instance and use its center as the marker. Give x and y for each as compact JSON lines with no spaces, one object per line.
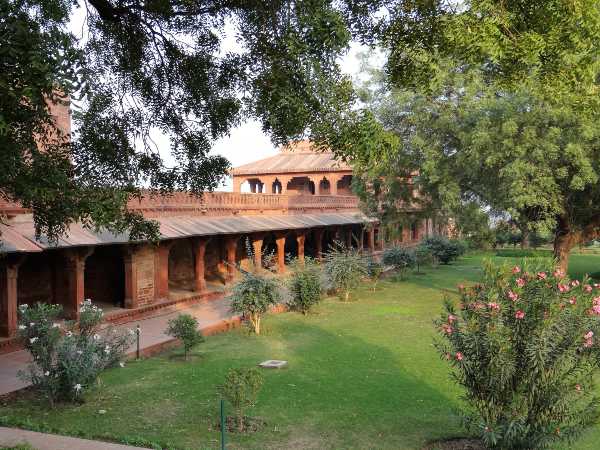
{"x":304,"y":285}
{"x":400,"y":258}
{"x":241,"y":388}
{"x":65,"y":365}
{"x":442,"y":249}
{"x":185,"y":328}
{"x":253,"y":295}
{"x":525,"y":348}
{"x":344,"y":267}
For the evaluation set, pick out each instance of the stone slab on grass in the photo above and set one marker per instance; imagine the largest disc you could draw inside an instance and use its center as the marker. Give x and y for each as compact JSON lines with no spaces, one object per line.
{"x":273,"y":364}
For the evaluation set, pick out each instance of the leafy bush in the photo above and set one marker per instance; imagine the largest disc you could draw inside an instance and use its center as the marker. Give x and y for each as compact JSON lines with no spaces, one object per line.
{"x":241,"y":388}
{"x":344,"y":267}
{"x":442,"y":249}
{"x":400,"y":258}
{"x":423,"y":256}
{"x":304,"y":285}
{"x":525,"y":348}
{"x":253,"y":295}
{"x":65,"y":365}
{"x":185,"y":328}
{"x":374,"y":270}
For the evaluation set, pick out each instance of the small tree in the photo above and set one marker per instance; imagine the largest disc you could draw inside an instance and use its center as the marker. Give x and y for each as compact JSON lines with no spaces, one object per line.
{"x":185,"y":328}
{"x":400,"y":258}
{"x":422,"y":256}
{"x":304,"y":285}
{"x":443,"y":249}
{"x":524,"y":346}
{"x":241,"y":388}
{"x":344,"y":268}
{"x":374,"y":270}
{"x":253,"y":295}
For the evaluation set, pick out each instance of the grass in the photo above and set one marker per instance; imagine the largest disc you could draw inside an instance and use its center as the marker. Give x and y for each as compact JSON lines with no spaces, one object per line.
{"x":361,"y":375}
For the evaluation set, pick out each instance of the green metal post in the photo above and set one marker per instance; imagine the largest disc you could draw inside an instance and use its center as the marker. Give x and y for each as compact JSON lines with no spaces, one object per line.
{"x":222,"y":424}
{"x":137,"y":339}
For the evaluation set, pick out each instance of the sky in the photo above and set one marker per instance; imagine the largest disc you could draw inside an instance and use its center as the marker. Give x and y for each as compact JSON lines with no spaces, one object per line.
{"x":247,"y":142}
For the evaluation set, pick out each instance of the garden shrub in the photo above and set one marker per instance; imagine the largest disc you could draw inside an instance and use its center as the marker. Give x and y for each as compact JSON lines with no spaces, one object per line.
{"x":304,"y":285}
{"x":185,"y":328}
{"x":525,"y":348}
{"x":442,"y":249}
{"x":344,"y":267}
{"x":241,"y":388}
{"x":253,"y":295}
{"x":65,"y":364}
{"x":374,"y":270}
{"x":400,"y":258}
{"x":423,"y":256}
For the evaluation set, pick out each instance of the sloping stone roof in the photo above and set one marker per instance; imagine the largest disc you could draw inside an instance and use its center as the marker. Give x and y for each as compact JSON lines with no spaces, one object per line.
{"x":298,"y":157}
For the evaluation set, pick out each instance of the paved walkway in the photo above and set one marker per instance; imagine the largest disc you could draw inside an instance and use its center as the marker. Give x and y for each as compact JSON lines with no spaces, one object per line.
{"x":152,"y":333}
{"x":11,"y":437}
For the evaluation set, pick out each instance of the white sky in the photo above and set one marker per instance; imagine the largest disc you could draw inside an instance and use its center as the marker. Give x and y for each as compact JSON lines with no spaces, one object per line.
{"x":247,"y":142}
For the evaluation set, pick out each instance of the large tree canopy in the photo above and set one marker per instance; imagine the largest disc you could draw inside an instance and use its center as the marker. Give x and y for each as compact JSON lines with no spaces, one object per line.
{"x":150,"y":67}
{"x":494,"y":102}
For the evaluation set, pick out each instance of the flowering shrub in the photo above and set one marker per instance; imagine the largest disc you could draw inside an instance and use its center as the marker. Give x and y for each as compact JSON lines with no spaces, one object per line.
{"x":253,"y":295}
{"x":185,"y":328}
{"x":304,"y":285}
{"x":241,"y":388}
{"x":67,"y":360}
{"x":525,"y":347}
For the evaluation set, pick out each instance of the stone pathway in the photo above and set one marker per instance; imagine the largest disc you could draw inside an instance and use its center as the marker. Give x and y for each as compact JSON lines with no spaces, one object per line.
{"x":11,"y":437}
{"x":208,"y":313}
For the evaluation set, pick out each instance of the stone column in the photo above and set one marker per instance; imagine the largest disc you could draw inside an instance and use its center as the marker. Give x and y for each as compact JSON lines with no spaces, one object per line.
{"x":130,"y":263}
{"x":349,"y":237}
{"x":230,"y":249}
{"x":371,"y":235}
{"x":9,"y":273}
{"x":317,"y":184}
{"x":161,"y":270}
{"x":257,"y":242}
{"x":75,"y":280}
{"x":280,"y":241}
{"x":318,"y":233}
{"x":333,"y":185}
{"x":199,"y":246}
{"x":300,"y":239}
{"x":361,"y":239}
{"x":237,"y":184}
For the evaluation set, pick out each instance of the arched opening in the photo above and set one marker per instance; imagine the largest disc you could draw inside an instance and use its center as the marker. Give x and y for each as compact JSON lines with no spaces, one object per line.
{"x":344,"y":185}
{"x":215,"y":271}
{"x":291,"y":247}
{"x":104,"y":277}
{"x":300,"y":185}
{"x":414,"y":231}
{"x":329,"y":239}
{"x":310,"y":244}
{"x":38,"y":277}
{"x":269,"y":252}
{"x":245,"y":253}
{"x":324,"y":187}
{"x":276,"y":187}
{"x":181,"y":268}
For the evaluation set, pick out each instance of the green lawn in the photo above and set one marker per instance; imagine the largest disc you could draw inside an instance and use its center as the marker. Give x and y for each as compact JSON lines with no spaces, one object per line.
{"x":362,"y":375}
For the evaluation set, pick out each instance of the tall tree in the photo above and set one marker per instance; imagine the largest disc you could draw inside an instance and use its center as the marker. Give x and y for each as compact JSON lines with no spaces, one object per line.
{"x":148,"y":67}
{"x":493,"y":101}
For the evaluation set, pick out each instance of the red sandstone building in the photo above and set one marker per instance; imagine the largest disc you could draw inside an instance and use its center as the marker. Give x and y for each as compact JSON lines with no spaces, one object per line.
{"x":300,"y":202}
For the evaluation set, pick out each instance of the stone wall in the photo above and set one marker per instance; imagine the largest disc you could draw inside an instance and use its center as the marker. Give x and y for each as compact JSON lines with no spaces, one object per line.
{"x":181,"y":265}
{"x":144,"y":258}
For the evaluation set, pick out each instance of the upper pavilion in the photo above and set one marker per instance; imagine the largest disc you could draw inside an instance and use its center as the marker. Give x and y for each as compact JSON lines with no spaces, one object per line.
{"x":298,"y":168}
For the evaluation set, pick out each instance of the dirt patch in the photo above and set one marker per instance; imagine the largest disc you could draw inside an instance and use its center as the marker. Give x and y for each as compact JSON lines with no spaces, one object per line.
{"x":251,"y":424}
{"x":456,"y":444}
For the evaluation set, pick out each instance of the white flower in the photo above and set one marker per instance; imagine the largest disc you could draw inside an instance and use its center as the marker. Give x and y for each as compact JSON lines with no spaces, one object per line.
{"x":77,"y":387}
{"x":23,"y":307}
{"x":96,"y":337}
{"x":56,"y":325}
{"x":69,"y":333}
{"x":32,"y":324}
{"x":33,"y":339}
{"x":107,"y":349}
{"x":131,"y":332}
{"x":102,"y":411}
{"x":122,"y":364}
{"x":46,"y":373}
{"x":79,"y":352}
{"x":22,"y":327}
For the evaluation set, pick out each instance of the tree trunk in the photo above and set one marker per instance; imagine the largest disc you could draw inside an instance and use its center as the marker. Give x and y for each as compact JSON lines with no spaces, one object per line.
{"x":563,"y":243}
{"x":240,"y":417}
{"x":257,"y":324}
{"x":524,"y":239}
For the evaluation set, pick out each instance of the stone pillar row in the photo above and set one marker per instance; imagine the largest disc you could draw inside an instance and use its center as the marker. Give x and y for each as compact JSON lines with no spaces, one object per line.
{"x":73,"y":292}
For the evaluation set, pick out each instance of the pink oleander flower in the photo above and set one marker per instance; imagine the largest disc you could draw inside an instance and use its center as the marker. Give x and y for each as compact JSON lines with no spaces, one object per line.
{"x":588,"y":343}
{"x":597,"y":285}
{"x":447,"y":328}
{"x":516,"y":269}
{"x":493,"y":305}
{"x":587,"y":288}
{"x":573,"y":300}
{"x":578,"y":387}
{"x":575,"y":283}
{"x":596,"y":309}
{"x":459,"y":356}
{"x":589,"y":334}
{"x":512,"y":296}
{"x":542,"y":275}
{"x":558,"y":273}
{"x":519,"y":315}
{"x":520,"y":282}
{"x":461,"y":287}
{"x":563,"y":287}
{"x":452,"y":318}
